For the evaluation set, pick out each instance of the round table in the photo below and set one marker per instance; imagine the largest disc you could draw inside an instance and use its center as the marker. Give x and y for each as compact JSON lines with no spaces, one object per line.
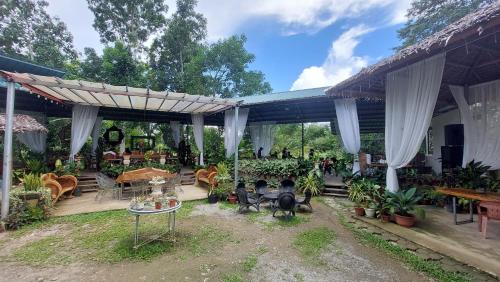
{"x":272,"y":196}
{"x":171,"y":220}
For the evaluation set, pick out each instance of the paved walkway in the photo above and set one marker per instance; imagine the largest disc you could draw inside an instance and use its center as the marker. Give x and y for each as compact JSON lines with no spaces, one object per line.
{"x":452,"y":245}
{"x":86,"y":203}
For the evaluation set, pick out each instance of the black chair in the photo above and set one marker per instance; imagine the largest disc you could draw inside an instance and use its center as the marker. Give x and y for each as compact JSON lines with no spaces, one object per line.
{"x":287,"y":185}
{"x":245,"y":200}
{"x":306,"y":201}
{"x":285,"y":203}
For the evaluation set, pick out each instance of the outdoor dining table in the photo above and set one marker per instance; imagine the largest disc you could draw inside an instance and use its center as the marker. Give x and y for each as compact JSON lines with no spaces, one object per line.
{"x":270,"y":196}
{"x":170,"y":211}
{"x":467,"y":194}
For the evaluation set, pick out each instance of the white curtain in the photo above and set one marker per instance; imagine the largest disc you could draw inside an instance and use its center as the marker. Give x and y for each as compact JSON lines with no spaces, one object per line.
{"x":82,"y":123}
{"x":262,"y":136}
{"x":411,"y":95}
{"x":175,"y":126}
{"x":481,"y":119}
{"x":35,"y":140}
{"x":96,"y":132}
{"x":198,"y":124}
{"x":348,"y":126}
{"x":229,"y":119}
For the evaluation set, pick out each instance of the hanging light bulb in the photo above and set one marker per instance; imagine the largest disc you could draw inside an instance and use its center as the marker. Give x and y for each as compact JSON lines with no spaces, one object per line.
{"x":38,"y":96}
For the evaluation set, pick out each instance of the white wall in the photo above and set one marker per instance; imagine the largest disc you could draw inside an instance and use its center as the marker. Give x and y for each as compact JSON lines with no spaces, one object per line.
{"x":438,"y":123}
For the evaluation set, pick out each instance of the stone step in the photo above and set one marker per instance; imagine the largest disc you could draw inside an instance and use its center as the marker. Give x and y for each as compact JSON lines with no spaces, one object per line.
{"x":335,"y":190}
{"x":334,"y":195}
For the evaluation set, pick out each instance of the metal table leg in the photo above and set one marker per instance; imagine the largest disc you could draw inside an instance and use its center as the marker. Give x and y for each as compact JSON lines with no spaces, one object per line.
{"x":471,"y":213}
{"x":136,"y":237}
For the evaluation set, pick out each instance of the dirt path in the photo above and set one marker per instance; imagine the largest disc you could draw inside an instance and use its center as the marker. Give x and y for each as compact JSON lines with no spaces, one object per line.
{"x":277,"y":259}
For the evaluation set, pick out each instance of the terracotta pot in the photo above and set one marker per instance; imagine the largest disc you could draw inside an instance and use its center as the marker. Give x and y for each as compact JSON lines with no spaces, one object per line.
{"x":232,"y":199}
{"x":385,"y":218}
{"x":172,"y":202}
{"x":406,"y":221}
{"x":359,"y":211}
{"x":158,"y":205}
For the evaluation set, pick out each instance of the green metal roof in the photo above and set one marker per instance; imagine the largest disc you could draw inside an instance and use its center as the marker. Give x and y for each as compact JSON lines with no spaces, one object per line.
{"x":284,"y":96}
{"x":8,"y":63}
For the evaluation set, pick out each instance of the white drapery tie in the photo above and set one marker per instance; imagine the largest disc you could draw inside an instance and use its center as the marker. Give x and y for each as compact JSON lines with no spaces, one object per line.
{"x":229,"y":137}
{"x":175,"y":126}
{"x":411,"y":95}
{"x":481,"y":119}
{"x":82,"y":122}
{"x":262,"y":137}
{"x":348,"y":125}
{"x":198,"y":124}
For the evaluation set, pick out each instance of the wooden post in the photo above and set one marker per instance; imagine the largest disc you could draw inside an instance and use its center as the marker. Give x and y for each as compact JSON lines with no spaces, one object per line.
{"x":7,"y":149}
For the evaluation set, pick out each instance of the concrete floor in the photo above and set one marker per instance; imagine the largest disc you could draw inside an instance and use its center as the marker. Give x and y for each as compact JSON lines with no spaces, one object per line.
{"x":86,"y":203}
{"x":462,"y":242}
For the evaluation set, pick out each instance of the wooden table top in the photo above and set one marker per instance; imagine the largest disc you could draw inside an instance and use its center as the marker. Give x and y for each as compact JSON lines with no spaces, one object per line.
{"x":469,"y":194}
{"x":146,"y":173}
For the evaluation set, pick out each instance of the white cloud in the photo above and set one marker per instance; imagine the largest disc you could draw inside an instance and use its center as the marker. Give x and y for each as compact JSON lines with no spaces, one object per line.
{"x":294,"y":16}
{"x":340,"y":64}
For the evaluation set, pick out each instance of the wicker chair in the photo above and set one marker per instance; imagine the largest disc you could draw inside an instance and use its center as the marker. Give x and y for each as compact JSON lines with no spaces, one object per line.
{"x":59,"y":185}
{"x":306,"y":201}
{"x":246,"y":201}
{"x":207,"y":176}
{"x":106,"y":185}
{"x":285,"y":203}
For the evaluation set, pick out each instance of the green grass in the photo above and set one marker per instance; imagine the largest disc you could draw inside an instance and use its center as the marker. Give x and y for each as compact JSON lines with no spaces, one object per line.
{"x":108,"y":237}
{"x":232,"y":277}
{"x":299,"y":277}
{"x":432,"y":269}
{"x":208,"y":239}
{"x":225,"y":205}
{"x":43,"y":251}
{"x":249,"y":263}
{"x":311,"y":243}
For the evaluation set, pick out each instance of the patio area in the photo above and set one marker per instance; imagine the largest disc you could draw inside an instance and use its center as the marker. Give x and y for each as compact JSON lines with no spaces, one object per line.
{"x":86,"y":203}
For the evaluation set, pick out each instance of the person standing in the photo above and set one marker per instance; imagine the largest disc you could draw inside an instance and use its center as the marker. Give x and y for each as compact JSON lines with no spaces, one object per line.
{"x":259,"y":153}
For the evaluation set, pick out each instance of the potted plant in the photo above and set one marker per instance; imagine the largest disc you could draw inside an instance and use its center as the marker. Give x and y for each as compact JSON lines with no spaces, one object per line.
{"x":212,"y":197}
{"x":403,"y":205}
{"x":371,"y":209}
{"x":357,"y":194}
{"x":232,"y":198}
{"x":161,"y":150}
{"x":32,"y":183}
{"x":311,"y":182}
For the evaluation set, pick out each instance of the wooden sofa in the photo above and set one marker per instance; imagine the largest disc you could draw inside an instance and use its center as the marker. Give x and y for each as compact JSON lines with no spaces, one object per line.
{"x":59,"y":185}
{"x":206,"y":176}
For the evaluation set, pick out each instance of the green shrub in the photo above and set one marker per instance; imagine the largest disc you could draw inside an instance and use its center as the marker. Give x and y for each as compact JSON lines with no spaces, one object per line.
{"x":21,"y":209}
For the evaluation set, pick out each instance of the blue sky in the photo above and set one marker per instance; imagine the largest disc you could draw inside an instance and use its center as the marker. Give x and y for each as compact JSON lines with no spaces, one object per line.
{"x":298,"y":43}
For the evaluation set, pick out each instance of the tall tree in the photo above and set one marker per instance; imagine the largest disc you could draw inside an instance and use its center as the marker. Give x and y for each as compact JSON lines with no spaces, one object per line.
{"x":28,"y":31}
{"x":116,"y":66}
{"x":177,"y":45}
{"x":223,"y":67}
{"x":129,"y":21}
{"x":426,"y":17}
